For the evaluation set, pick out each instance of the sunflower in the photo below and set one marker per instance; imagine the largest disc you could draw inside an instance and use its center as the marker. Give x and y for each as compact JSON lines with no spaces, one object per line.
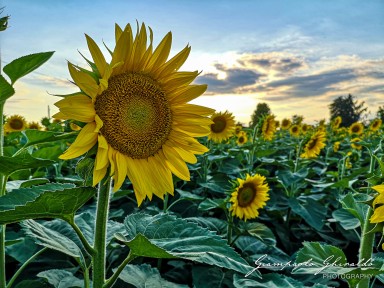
{"x":356,"y":128}
{"x":223,"y":126}
{"x":305,"y":128}
{"x":268,"y":128}
{"x":285,"y":124}
{"x":34,"y":125}
{"x":336,"y":146}
{"x":314,"y":145}
{"x":15,"y":123}
{"x":375,"y":124}
{"x":336,"y":122}
{"x":295,"y":130}
{"x":136,"y":112}
{"x":354,"y":145}
{"x":74,"y":126}
{"x":378,"y":212}
{"x":238,"y":129}
{"x":249,"y":196}
{"x":242,"y":138}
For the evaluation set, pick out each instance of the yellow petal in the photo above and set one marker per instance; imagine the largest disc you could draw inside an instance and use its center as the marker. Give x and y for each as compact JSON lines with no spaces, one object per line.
{"x":161,"y":53}
{"x":187,"y":94}
{"x":78,"y":107}
{"x":97,"y":56}
{"x":175,"y":163}
{"x":101,"y":160}
{"x":178,"y":79}
{"x":83,"y":143}
{"x":193,"y":130}
{"x":186,"y":155}
{"x":378,"y":215}
{"x":122,"y":51}
{"x":192,"y":108}
{"x":85,"y":82}
{"x":118,"y":32}
{"x":98,"y":175}
{"x":379,"y":188}
{"x":121,"y":171}
{"x":173,"y":64}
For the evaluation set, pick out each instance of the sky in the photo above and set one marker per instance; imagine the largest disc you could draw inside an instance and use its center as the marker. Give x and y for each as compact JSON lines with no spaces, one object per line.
{"x":295,"y":55}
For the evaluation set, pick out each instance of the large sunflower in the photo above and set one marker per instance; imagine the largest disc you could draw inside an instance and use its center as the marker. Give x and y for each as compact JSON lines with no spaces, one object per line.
{"x":249,"y":196}
{"x":268,"y":128}
{"x":136,"y":112}
{"x":223,"y":126}
{"x":15,"y":123}
{"x":314,"y":145}
{"x":356,"y":128}
{"x":378,"y":212}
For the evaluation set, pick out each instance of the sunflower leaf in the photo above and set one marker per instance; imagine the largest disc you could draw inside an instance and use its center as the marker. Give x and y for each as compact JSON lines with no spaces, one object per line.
{"x":45,"y":201}
{"x":172,"y":237}
{"x":26,"y":64}
{"x":24,"y":160}
{"x":6,"y":89}
{"x":38,"y":137}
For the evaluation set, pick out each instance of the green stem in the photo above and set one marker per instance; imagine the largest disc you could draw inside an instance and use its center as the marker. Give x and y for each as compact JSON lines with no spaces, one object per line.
{"x":116,"y":275}
{"x":22,"y":267}
{"x":98,"y":259}
{"x":229,"y":229}
{"x":366,"y":246}
{"x":80,"y":234}
{"x":2,"y":193}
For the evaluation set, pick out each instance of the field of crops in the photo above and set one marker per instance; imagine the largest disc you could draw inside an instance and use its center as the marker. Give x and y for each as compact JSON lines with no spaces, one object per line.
{"x":129,"y":185}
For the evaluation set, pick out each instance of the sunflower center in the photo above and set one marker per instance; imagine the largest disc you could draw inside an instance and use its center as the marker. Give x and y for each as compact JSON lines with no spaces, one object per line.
{"x":136,"y":115}
{"x":246,"y":195}
{"x":16,"y":124}
{"x":219,"y":124}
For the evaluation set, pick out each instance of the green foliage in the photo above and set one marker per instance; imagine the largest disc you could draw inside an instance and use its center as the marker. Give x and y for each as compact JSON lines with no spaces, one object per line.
{"x":348,"y":108}
{"x":261,"y":110}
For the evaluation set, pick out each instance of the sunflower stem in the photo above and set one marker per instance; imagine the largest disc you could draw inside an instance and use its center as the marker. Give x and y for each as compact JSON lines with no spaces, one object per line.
{"x":229,"y":229}
{"x":2,"y":193}
{"x":98,"y":260}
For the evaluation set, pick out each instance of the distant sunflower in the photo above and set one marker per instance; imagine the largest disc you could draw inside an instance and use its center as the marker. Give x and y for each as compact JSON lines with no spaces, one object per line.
{"x":336,"y":146}
{"x":294,"y":130}
{"x":242,"y":138}
{"x":249,"y":196}
{"x":136,"y":111}
{"x":336,"y":122}
{"x":356,"y":128}
{"x":223,"y":126}
{"x":285,"y":124}
{"x":375,"y":124}
{"x":305,"y":128}
{"x":314,"y":145}
{"x":15,"y":123}
{"x":34,"y":125}
{"x":238,"y":129}
{"x":354,"y":145}
{"x":268,"y":128}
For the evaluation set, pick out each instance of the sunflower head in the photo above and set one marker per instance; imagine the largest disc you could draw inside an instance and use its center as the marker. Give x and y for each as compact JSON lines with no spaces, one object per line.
{"x":315,"y":144}
{"x":375,"y":124}
{"x":136,"y":112}
{"x":268,"y":127}
{"x":295,"y":130}
{"x":285,"y":124}
{"x":356,"y":128}
{"x":34,"y":125}
{"x":336,"y":146}
{"x":336,"y":122}
{"x":242,"y":138}
{"x":238,"y":129}
{"x":15,"y":123}
{"x":223,"y":126}
{"x":378,"y":213}
{"x":355,"y":145}
{"x":249,"y":195}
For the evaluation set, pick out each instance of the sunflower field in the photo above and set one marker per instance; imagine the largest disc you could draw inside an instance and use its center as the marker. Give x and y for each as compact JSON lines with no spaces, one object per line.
{"x":131,"y":185}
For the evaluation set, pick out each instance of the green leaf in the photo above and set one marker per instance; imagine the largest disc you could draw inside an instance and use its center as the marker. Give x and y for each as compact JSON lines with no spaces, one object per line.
{"x":311,"y":212}
{"x":188,"y":195}
{"x":38,"y":137}
{"x":259,"y":231}
{"x":214,"y":224}
{"x":345,"y":219}
{"x":61,"y":278}
{"x":44,"y":201}
{"x":143,"y":276}
{"x":6,"y":89}
{"x":52,"y":239}
{"x":24,"y":160}
{"x":359,"y":210}
{"x":33,"y":284}
{"x":26,"y":64}
{"x":169,"y":237}
{"x":209,"y":204}
{"x":210,"y":277}
{"x":16,"y":184}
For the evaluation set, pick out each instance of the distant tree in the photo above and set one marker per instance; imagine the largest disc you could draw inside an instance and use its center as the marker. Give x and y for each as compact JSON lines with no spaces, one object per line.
{"x":297,"y":119}
{"x":380,"y":113}
{"x":261,"y":110}
{"x":349,"y":109}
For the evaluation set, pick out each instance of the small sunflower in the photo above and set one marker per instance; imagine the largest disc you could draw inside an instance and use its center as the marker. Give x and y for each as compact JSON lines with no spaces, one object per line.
{"x":242,"y":138}
{"x":238,"y":129}
{"x":305,"y":128}
{"x":223,"y":126}
{"x":356,"y":128}
{"x":375,"y":124}
{"x":137,"y":113}
{"x":314,"y":145}
{"x":15,"y":123}
{"x":285,"y":124}
{"x":34,"y":125}
{"x":295,"y":130}
{"x":249,"y":196}
{"x":354,"y":145}
{"x":336,"y":122}
{"x":336,"y":146}
{"x":268,"y":128}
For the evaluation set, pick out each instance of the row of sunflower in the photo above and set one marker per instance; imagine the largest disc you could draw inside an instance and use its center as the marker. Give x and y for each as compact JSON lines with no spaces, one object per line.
{"x":275,"y":205}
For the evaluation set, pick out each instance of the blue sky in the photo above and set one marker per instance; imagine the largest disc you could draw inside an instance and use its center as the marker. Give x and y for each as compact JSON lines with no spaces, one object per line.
{"x":296,"y":56}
